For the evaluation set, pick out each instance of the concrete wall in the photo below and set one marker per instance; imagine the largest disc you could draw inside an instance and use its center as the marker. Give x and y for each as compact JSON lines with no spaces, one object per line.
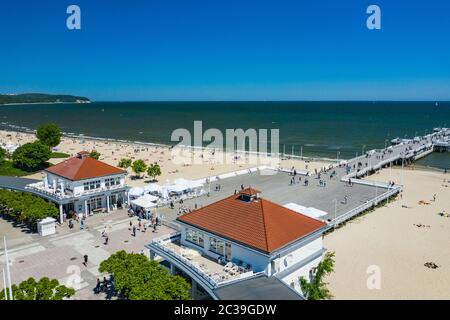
{"x":292,"y":257}
{"x":293,"y":279}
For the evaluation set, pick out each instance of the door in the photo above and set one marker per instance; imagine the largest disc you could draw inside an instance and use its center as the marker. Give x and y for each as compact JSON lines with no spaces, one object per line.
{"x":227,"y":251}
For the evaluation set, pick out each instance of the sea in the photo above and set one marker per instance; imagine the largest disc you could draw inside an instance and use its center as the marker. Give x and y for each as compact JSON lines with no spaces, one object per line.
{"x":315,"y":129}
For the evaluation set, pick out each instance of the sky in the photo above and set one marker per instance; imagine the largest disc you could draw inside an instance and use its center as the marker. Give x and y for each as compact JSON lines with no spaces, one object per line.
{"x":227,"y":50}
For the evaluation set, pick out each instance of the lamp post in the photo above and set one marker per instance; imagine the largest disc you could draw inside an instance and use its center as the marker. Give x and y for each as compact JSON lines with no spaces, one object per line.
{"x":4,"y":285}
{"x":8,"y":273}
{"x":335,"y":211}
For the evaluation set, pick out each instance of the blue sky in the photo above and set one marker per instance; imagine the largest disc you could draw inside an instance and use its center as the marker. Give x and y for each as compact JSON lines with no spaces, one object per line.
{"x":227,"y":50}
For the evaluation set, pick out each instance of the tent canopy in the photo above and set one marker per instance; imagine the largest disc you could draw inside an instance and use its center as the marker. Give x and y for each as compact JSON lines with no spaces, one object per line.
{"x":146,"y":201}
{"x":181,"y":185}
{"x":307,"y":211}
{"x":136,"y":191}
{"x":152,"y":187}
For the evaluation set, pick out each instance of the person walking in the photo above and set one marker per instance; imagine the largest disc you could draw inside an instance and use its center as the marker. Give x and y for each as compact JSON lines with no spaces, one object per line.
{"x":434,"y":197}
{"x":134,"y":231}
{"x":106,"y":240}
{"x":85,"y":257}
{"x":97,"y":287}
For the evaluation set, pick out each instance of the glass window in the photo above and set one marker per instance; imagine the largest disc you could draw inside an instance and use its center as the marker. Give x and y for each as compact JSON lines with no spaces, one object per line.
{"x":217,"y":246}
{"x":195,"y":237}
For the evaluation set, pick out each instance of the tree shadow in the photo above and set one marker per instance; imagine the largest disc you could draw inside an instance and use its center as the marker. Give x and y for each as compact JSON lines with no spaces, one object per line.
{"x":25,"y":228}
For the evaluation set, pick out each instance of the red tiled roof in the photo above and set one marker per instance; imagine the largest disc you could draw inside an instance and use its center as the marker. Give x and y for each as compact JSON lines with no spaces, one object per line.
{"x":84,"y":167}
{"x":260,"y":224}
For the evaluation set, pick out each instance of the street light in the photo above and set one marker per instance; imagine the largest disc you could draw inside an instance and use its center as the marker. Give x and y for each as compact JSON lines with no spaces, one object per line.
{"x":4,"y":285}
{"x":8,"y":273}
{"x":362,"y":152}
{"x":335,"y":211}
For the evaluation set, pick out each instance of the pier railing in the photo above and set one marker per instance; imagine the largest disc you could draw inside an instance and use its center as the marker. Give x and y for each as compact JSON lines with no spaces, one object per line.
{"x":369,"y":204}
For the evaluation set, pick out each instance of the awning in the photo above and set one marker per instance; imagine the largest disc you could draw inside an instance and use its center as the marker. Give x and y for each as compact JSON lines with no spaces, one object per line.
{"x":146,"y":201}
{"x":307,"y":211}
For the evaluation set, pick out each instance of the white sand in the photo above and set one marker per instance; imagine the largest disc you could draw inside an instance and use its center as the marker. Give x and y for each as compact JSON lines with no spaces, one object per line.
{"x":388,"y":238}
{"x":171,"y":167}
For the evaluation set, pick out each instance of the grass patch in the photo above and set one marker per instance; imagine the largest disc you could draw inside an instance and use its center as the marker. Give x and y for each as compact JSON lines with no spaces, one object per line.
{"x":59,"y":155}
{"x":7,"y":169}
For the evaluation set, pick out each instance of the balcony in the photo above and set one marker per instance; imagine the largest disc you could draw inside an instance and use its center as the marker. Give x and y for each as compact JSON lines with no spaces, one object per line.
{"x":40,"y":189}
{"x":197,"y":264}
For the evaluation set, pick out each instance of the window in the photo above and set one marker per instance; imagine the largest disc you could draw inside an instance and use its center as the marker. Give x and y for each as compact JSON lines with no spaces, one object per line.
{"x":91,"y":185}
{"x":195,"y":237}
{"x":217,"y":246}
{"x":95,"y":203}
{"x":112,"y":181}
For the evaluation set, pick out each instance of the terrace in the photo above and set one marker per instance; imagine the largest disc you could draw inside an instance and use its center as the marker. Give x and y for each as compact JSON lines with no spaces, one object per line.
{"x":49,"y":191}
{"x":207,"y":270}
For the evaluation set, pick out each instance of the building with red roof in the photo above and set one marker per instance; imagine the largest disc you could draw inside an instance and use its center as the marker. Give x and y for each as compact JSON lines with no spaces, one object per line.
{"x":83,"y":185}
{"x":249,"y":235}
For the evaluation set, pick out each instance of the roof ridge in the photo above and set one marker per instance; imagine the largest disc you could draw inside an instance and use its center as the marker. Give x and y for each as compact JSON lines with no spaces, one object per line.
{"x":264,"y":223}
{"x":208,"y":205}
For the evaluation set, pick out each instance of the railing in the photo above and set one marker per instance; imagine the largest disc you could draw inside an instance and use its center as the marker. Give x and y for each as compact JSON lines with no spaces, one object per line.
{"x":369,"y":204}
{"x":39,"y":188}
{"x":212,"y":283}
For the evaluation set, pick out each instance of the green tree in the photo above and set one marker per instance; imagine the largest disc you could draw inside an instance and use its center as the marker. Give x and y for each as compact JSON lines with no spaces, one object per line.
{"x":25,"y":207}
{"x":44,"y":289}
{"x":154,"y":170}
{"x":125,"y":163}
{"x":94,"y":154}
{"x":49,"y":134}
{"x":316,"y":289}
{"x":31,"y":156}
{"x":138,"y":167}
{"x":136,"y":277}
{"x":2,"y":154}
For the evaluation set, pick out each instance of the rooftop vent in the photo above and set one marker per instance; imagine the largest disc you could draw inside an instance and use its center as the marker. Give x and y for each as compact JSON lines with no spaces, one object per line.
{"x":82,"y":154}
{"x":249,"y":194}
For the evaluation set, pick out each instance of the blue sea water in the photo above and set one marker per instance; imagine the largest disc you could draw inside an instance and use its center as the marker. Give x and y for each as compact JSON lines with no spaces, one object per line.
{"x":326,"y":129}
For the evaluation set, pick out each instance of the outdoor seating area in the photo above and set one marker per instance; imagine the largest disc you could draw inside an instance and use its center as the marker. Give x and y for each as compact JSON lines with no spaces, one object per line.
{"x":215,"y":271}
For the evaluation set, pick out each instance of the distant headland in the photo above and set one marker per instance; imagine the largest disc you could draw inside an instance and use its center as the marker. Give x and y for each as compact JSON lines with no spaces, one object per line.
{"x":26,"y":98}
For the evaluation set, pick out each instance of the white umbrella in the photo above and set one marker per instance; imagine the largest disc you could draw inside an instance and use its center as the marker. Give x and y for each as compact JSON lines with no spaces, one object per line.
{"x":146,"y":201}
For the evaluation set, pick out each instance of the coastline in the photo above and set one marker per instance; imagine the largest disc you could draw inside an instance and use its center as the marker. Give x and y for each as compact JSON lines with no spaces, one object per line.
{"x":26,"y":103}
{"x":179,"y":162}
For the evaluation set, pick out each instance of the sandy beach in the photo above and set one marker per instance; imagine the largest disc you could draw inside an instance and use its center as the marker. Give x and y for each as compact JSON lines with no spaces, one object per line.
{"x":398,"y":238}
{"x":399,"y":241}
{"x":190,"y":165}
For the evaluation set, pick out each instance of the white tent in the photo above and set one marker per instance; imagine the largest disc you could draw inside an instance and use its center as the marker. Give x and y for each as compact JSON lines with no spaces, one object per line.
{"x":307,"y":211}
{"x":136,"y":192}
{"x":146,"y":201}
{"x":152,"y":187}
{"x":164,"y":193}
{"x":181,"y":185}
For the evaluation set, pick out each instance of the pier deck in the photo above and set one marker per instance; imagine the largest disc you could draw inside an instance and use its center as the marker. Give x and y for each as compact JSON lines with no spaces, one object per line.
{"x":340,"y":200}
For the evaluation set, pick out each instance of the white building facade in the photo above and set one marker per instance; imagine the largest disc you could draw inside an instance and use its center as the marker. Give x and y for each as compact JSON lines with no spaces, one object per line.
{"x":82,"y":185}
{"x":289,"y":258}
